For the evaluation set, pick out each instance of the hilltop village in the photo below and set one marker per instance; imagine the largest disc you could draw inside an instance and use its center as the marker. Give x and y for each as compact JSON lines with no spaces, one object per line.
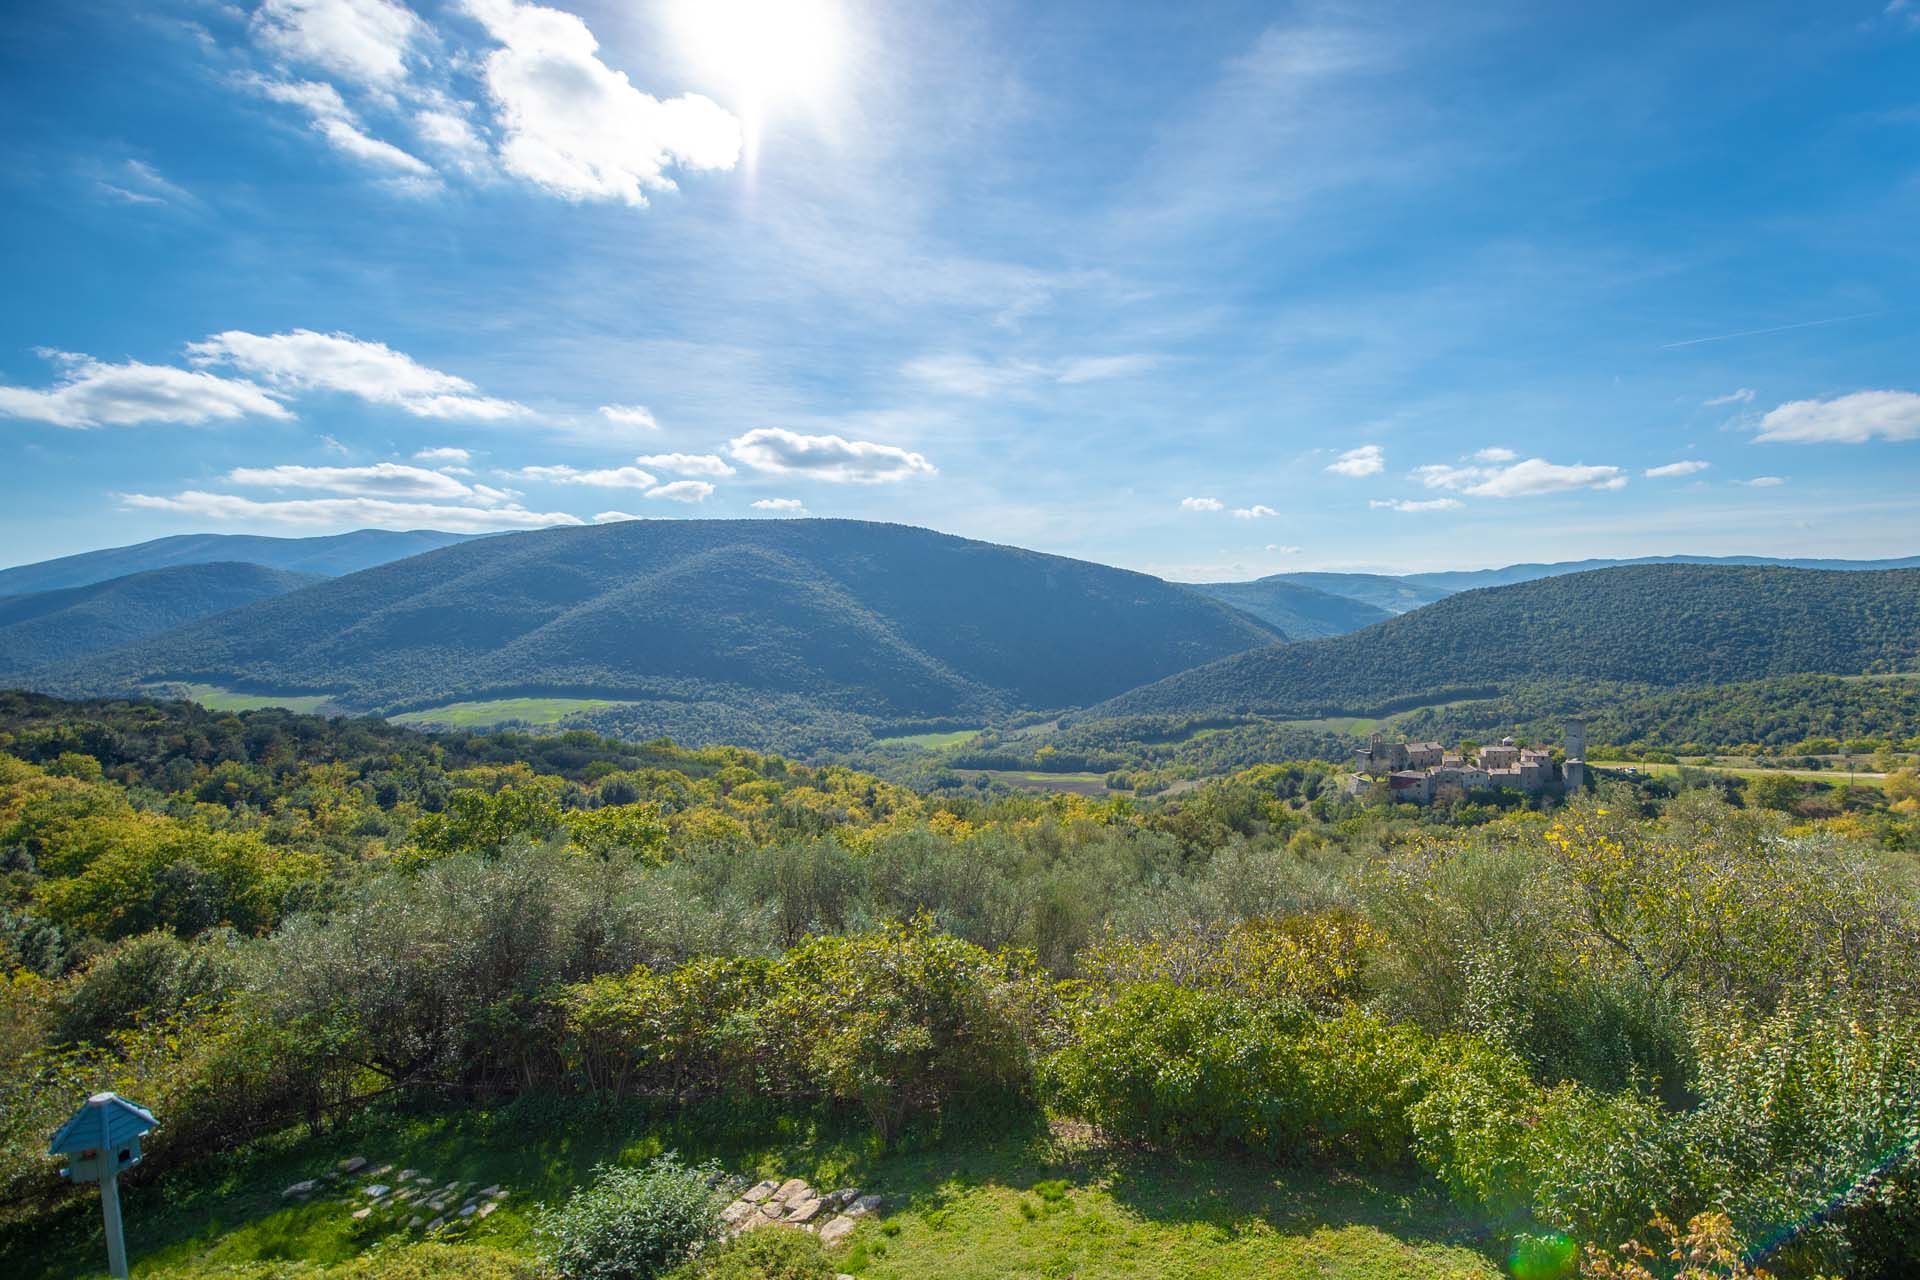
{"x":1421,"y":772}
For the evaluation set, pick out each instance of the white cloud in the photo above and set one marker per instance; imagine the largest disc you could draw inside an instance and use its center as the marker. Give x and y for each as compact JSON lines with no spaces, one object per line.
{"x":789,"y":506}
{"x":91,"y":393}
{"x":1763,"y":482}
{"x":579,"y":129}
{"x":363,"y":40}
{"x":307,"y":361}
{"x":1100,"y":368}
{"x":453,"y":138}
{"x":1413,"y":504}
{"x":381,"y":480}
{"x":686,"y":464}
{"x":1743,"y":396}
{"x":1689,"y":467}
{"x":1367,"y":460}
{"x":1202,"y":504}
{"x":1279,"y":550}
{"x":683,"y":491}
{"x":337,"y":123}
{"x":968,"y":375}
{"x":1526,"y":479}
{"x":445,"y":454}
{"x":629,"y":415}
{"x":833,"y":458}
{"x":140,"y":183}
{"x":606,"y":478}
{"x":614,"y":517}
{"x":1255,"y":512}
{"x":349,"y":513}
{"x":1849,"y":419}
{"x":1496,"y":453}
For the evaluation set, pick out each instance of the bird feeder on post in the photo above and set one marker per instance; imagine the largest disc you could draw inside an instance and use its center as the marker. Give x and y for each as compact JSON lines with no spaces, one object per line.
{"x":101,"y":1140}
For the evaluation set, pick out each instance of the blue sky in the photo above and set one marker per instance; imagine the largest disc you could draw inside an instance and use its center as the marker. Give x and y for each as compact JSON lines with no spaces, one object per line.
{"x":1209,"y":290}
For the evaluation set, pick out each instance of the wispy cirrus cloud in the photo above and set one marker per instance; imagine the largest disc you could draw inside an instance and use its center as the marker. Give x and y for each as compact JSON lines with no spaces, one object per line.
{"x":1742,"y":396}
{"x":382,"y":480}
{"x":970,"y":375}
{"x":1688,"y":467}
{"x":1415,"y":504}
{"x":599,"y":478}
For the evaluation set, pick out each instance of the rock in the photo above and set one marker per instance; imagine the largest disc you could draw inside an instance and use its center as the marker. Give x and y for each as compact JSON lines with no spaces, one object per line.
{"x":414,"y":1221}
{"x":863,"y":1206}
{"x":837,"y":1230}
{"x":436,"y":1224}
{"x":770,"y":1211}
{"x":469,"y":1209}
{"x":793,"y":1189}
{"x":488,"y":1208}
{"x":306,"y":1188}
{"x":353,"y":1164}
{"x":805,"y":1210}
{"x":736,"y":1212}
{"x":437,"y":1204}
{"x":407,"y":1175}
{"x":378,"y":1189}
{"x":424,"y":1180}
{"x":382,"y":1171}
{"x":759,"y":1191}
{"x":501,"y":1194}
{"x":842,"y":1198}
{"x":361,"y":1214}
{"x":493,"y":1190}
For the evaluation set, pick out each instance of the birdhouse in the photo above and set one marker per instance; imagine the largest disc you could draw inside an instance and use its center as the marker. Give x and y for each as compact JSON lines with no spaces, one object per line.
{"x":103,"y":1138}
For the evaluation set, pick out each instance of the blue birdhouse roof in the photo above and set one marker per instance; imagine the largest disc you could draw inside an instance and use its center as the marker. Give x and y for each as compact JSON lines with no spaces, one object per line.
{"x":103,"y":1122}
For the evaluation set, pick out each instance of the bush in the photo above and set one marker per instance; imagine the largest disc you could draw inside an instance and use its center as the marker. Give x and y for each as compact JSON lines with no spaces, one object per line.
{"x":632,"y":1224}
{"x":763,"y":1255}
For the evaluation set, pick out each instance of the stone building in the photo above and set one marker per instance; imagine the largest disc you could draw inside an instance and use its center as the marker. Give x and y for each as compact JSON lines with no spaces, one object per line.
{"x":1421,"y":772}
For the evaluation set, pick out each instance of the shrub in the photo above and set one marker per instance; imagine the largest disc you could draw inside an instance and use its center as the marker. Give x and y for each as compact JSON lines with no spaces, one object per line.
{"x":763,"y":1255}
{"x":696,"y":1028}
{"x":632,"y":1224}
{"x":154,"y":975}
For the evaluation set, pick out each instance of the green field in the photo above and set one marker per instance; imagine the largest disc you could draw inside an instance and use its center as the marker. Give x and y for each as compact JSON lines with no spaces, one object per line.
{"x":1086,"y":784}
{"x":1016,"y":1205}
{"x":928,"y":741}
{"x":539,"y":712}
{"x":1832,"y":777}
{"x":214,"y":698}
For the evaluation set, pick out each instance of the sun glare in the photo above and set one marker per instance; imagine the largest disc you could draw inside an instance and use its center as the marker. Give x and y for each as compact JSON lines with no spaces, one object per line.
{"x":764,"y":54}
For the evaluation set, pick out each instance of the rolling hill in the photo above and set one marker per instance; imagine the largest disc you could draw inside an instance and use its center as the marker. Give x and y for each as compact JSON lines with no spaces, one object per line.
{"x":1297,"y":612}
{"x":870,"y":620}
{"x":1469,"y":579}
{"x":328,"y":556}
{"x":1665,"y":625}
{"x":1389,"y":594}
{"x":55,"y":626}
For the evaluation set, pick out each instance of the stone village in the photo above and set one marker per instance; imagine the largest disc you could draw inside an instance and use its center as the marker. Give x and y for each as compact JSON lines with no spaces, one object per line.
{"x":1422,"y":772}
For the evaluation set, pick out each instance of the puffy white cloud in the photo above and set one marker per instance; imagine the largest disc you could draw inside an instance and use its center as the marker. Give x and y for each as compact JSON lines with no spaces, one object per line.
{"x":1849,"y":419}
{"x":579,"y":128}
{"x":1367,"y":460}
{"x":630,"y":415}
{"x":1495,"y":453}
{"x":381,"y":480}
{"x":788,"y":506}
{"x":1743,"y":396}
{"x":683,"y":491}
{"x":1526,"y":479}
{"x":363,"y":40}
{"x":834,"y":458}
{"x":453,"y":139}
{"x":304,"y":360}
{"x":1690,"y":466}
{"x":445,"y":454}
{"x":614,"y":517}
{"x":1763,"y":482}
{"x":1255,"y":512}
{"x":1414,"y":504}
{"x":686,"y":464}
{"x":337,"y":123}
{"x":1202,"y":504}
{"x":92,"y":393}
{"x":349,"y":513}
{"x":605,"y":478}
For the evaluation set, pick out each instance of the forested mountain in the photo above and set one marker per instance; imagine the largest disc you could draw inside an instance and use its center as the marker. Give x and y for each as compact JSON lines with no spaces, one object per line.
{"x":874,"y":620}
{"x":1653,"y":625}
{"x":1393,"y":595}
{"x":328,"y":556}
{"x":1297,"y":612}
{"x":54,"y":626}
{"x":1469,"y":579}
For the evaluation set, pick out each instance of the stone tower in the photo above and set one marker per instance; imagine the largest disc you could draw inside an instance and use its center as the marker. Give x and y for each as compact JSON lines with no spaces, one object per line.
{"x":1575,"y":768}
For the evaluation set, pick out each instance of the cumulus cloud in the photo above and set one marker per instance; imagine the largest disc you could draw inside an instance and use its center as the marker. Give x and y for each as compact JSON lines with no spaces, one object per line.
{"x":381,"y":480}
{"x":683,"y":491}
{"x":1367,"y":460}
{"x":363,"y":40}
{"x":834,"y":458}
{"x":1531,"y":478}
{"x":1689,"y":467}
{"x":1763,"y":482}
{"x":304,"y":360}
{"x":605,"y":478}
{"x":92,"y":393}
{"x":1255,"y":512}
{"x":1496,"y":453}
{"x":786,"y":506}
{"x":629,"y":415}
{"x":1202,"y":504}
{"x":580,"y":129}
{"x":444,"y":455}
{"x":614,"y":517}
{"x":349,"y":513}
{"x":1849,"y":419}
{"x":1743,"y":396}
{"x":1414,"y":504}
{"x":686,"y":464}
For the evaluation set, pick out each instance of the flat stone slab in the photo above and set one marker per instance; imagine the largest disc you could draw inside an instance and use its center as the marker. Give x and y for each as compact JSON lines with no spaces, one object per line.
{"x":360,"y":1214}
{"x":791,"y":1189}
{"x":806,"y":1210}
{"x":353,"y":1164}
{"x":759,"y":1191}
{"x":863,"y":1206}
{"x":305,"y":1188}
{"x":837,"y":1230}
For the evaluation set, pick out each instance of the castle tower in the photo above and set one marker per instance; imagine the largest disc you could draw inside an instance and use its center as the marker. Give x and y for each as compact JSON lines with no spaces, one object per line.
{"x":1574,"y":771}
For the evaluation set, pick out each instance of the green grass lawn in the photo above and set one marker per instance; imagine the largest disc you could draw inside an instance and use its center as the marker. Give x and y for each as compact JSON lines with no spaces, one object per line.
{"x":539,"y":712}
{"x":928,"y":741}
{"x":1020,"y":1204}
{"x":214,"y":698}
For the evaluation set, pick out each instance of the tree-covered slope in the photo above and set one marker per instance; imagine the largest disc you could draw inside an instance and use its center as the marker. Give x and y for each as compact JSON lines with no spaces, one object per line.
{"x":56,"y":626}
{"x":873,"y":619}
{"x":1297,"y":612}
{"x":1393,"y":595}
{"x":1656,"y":624}
{"x":1469,"y":579}
{"x":328,"y":556}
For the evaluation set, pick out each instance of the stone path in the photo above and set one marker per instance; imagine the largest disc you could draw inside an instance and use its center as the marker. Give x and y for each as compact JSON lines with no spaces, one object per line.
{"x":832,"y":1215}
{"x":402,"y":1199}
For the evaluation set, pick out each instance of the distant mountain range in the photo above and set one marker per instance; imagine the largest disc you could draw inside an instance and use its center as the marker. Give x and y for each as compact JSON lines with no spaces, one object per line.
{"x":1298,"y":612}
{"x":1664,"y":624}
{"x":874,"y":620}
{"x":73,"y":622}
{"x":328,"y":556}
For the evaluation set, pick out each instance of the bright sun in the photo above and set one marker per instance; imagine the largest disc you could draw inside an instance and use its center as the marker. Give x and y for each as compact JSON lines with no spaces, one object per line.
{"x":763,"y":53}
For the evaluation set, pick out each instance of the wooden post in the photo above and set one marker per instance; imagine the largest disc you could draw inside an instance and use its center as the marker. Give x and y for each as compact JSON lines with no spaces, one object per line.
{"x":110,"y":1210}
